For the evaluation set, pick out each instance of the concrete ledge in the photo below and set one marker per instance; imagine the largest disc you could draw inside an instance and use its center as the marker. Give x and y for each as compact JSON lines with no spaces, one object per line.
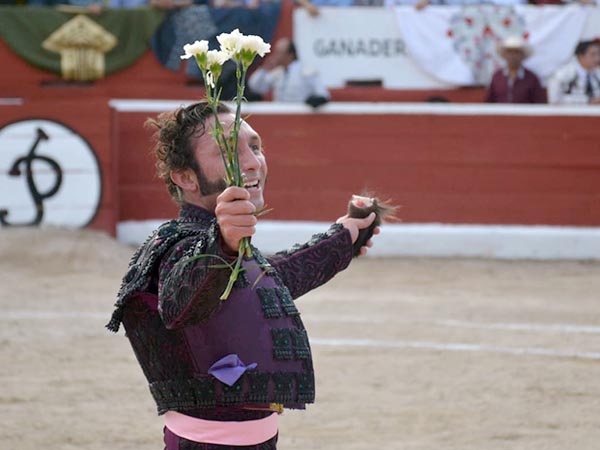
{"x":439,"y":240}
{"x":361,"y":108}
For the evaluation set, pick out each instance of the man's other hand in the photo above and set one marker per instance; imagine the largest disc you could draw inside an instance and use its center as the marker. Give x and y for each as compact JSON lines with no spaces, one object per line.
{"x":355,"y":225}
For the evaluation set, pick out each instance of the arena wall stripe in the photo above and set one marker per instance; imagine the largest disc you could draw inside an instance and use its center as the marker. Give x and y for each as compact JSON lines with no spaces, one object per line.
{"x":426,"y":240}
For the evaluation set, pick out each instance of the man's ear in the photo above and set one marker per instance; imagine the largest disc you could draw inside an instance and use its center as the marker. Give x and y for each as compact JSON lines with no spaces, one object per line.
{"x":185,"y":179}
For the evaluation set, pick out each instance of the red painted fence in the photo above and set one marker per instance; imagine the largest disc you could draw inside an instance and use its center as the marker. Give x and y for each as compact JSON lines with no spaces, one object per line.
{"x":469,"y":165}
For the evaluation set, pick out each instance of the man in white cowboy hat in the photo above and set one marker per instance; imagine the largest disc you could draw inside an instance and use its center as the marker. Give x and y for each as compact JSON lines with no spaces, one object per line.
{"x":578,"y":82}
{"x":514,"y":83}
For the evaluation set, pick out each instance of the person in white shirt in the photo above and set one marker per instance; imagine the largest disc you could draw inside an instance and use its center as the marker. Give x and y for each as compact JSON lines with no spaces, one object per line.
{"x":578,"y":82}
{"x":422,"y":4}
{"x":283,"y":75}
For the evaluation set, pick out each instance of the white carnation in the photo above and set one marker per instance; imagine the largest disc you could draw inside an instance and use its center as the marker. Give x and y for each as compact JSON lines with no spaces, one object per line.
{"x":197,"y":48}
{"x":216,"y":57}
{"x":256,"y":45}
{"x":231,"y":43}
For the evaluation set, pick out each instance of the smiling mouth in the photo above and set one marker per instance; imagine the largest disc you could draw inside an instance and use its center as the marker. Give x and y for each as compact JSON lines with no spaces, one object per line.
{"x":251,"y":185}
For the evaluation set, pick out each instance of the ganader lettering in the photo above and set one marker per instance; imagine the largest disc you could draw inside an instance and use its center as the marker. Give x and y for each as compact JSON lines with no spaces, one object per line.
{"x":359,"y":47}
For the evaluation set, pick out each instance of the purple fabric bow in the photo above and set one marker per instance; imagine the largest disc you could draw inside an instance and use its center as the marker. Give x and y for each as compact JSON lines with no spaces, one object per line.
{"x":229,"y":369}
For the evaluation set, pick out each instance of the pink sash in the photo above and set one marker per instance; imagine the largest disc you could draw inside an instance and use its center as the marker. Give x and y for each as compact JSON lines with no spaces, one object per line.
{"x":250,"y":432}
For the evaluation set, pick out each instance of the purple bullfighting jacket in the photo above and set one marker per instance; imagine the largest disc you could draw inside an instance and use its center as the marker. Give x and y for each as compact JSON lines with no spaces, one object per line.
{"x":198,"y":352}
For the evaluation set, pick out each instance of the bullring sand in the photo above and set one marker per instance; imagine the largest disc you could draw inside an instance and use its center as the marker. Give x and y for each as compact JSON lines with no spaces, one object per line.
{"x":421,"y":354}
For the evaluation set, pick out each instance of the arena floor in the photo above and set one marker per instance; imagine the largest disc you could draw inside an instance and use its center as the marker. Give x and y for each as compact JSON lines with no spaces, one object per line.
{"x":420,"y":354}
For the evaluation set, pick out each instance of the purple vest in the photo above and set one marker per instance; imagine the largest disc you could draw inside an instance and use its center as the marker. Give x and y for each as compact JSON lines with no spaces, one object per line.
{"x":199,"y":353}
{"x":258,"y":323}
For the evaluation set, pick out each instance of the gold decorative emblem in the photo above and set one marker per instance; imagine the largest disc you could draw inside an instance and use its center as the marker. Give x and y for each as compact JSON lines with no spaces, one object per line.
{"x":82,"y":44}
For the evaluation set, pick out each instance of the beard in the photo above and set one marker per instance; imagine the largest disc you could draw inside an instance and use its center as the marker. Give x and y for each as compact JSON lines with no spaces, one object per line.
{"x":208,"y":187}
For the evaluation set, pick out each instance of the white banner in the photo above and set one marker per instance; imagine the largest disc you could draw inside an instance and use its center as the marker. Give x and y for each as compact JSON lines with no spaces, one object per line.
{"x":438,"y":47}
{"x":357,"y":43}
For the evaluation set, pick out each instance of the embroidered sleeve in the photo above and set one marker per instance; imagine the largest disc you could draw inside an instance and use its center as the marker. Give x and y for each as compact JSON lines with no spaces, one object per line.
{"x":191,"y":279}
{"x":308,"y":266}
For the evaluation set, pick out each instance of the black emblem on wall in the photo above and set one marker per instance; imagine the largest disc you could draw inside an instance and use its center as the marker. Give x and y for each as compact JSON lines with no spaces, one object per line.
{"x":49,"y":175}
{"x":24,"y":166}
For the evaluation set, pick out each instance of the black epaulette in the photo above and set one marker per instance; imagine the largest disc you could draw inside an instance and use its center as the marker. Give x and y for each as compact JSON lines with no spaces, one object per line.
{"x":143,"y":263}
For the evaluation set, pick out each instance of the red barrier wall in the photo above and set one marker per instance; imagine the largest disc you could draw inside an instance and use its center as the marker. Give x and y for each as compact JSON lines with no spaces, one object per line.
{"x":483,"y":169}
{"x":439,"y":168}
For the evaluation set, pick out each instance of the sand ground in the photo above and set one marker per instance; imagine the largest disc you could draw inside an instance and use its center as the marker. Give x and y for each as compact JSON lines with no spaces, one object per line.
{"x":409,"y":354}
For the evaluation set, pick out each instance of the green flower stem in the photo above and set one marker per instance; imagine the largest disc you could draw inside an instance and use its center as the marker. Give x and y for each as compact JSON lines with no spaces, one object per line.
{"x":240,"y":73}
{"x":197,"y":257}
{"x":241,"y":85}
{"x":222,"y":143}
{"x":219,"y":134}
{"x":228,"y":146}
{"x":234,"y":273}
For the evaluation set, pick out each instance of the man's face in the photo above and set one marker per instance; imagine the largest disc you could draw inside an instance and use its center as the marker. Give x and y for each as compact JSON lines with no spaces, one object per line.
{"x":591,"y":58}
{"x":281,"y":54}
{"x":513,"y":57}
{"x":253,"y":165}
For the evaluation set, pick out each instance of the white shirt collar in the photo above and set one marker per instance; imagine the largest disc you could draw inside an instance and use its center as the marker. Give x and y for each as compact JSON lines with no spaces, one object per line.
{"x":581,"y":72}
{"x":520,"y":72}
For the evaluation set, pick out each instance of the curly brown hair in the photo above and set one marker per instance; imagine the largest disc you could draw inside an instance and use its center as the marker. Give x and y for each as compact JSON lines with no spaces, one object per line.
{"x":175,"y":132}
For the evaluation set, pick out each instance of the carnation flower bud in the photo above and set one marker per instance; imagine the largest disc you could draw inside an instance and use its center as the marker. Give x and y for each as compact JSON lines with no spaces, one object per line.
{"x":196,"y":49}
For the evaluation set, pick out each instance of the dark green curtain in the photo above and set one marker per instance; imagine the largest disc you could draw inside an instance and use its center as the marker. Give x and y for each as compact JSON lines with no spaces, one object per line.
{"x":25,"y":28}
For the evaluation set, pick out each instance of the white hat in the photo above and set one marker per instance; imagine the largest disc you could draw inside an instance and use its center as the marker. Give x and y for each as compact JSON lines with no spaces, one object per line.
{"x":515,"y":43}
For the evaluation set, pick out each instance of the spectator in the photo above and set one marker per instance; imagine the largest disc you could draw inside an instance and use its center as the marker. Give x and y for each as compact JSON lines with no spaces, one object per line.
{"x":168,"y":5}
{"x":514,"y":83}
{"x":283,"y":74}
{"x":561,"y":2}
{"x":310,"y":8}
{"x":332,"y":2}
{"x":422,"y":4}
{"x":251,"y":4}
{"x":578,"y":82}
{"x":125,"y":4}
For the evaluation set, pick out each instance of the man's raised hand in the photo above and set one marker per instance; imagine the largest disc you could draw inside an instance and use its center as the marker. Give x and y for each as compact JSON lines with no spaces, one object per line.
{"x":235,"y":216}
